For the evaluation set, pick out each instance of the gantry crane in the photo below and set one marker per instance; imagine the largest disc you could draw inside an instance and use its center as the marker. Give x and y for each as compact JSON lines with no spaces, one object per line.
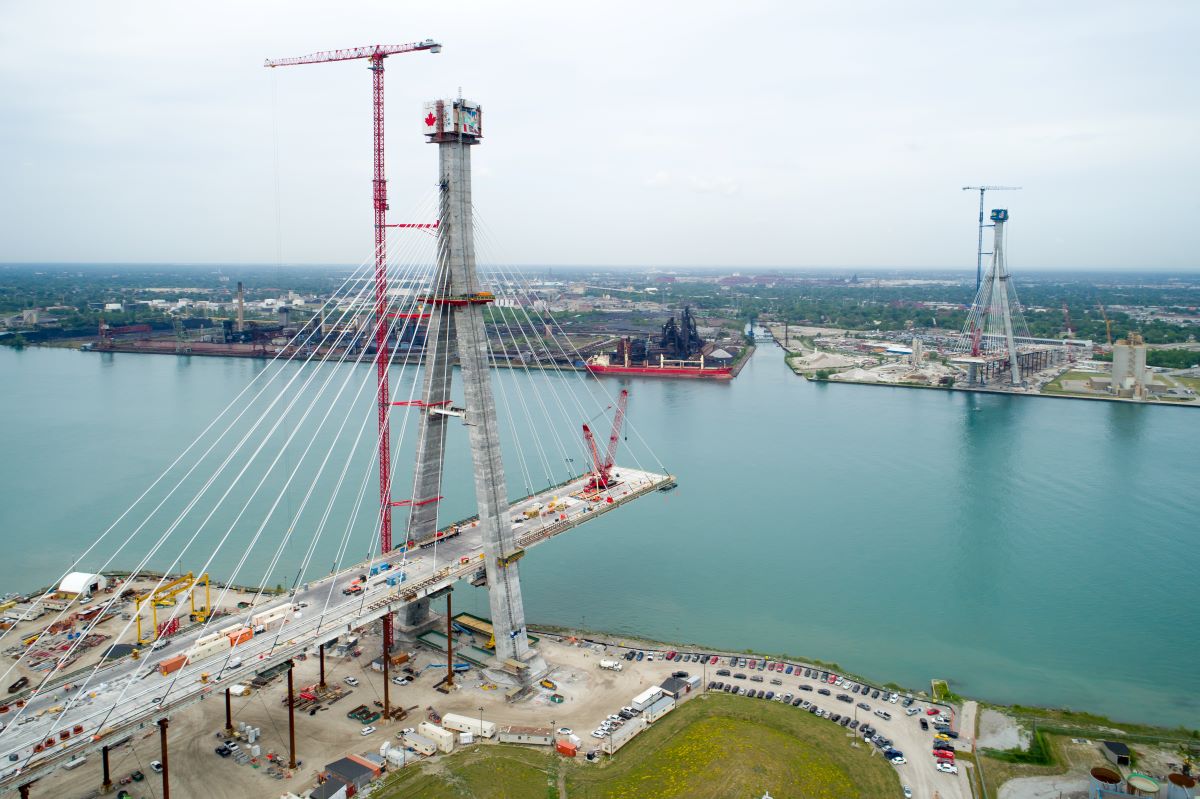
{"x":164,"y":596}
{"x":602,"y":469}
{"x":376,"y":53}
{"x":979,"y":248}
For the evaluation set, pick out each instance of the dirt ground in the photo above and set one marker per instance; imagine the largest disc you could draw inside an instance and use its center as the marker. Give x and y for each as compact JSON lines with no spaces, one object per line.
{"x":116,"y":630}
{"x":1000,"y":731}
{"x":589,"y":692}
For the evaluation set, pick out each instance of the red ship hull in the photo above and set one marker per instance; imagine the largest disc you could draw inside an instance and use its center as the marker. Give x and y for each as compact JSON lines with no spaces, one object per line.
{"x":708,"y":373}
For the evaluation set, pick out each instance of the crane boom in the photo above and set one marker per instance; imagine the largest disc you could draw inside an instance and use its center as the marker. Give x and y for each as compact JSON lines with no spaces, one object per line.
{"x":596,"y":463}
{"x":371,"y":51}
{"x":376,"y":53}
{"x":618,"y":418}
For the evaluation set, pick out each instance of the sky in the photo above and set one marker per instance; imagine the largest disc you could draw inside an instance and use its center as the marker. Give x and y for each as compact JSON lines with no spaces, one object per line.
{"x":657,"y":134}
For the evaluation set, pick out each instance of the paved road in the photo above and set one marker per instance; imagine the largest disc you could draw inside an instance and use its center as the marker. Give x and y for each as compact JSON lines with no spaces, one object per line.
{"x":129,"y":693}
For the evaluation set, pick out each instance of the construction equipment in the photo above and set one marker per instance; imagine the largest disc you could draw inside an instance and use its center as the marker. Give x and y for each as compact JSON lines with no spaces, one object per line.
{"x":1107,"y":323}
{"x":602,"y":469}
{"x":164,"y":597}
{"x":376,"y":54}
{"x":979,"y":253}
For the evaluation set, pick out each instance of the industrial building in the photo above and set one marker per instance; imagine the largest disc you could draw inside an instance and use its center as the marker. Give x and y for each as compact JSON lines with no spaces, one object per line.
{"x":1129,"y":372}
{"x":82,"y":584}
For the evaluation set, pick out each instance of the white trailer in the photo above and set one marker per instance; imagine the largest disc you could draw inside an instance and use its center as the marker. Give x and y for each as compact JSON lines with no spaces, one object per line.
{"x":484,"y":729}
{"x":647,"y":698}
{"x":443,"y":738}
{"x":611,"y":665}
{"x":420,"y":744}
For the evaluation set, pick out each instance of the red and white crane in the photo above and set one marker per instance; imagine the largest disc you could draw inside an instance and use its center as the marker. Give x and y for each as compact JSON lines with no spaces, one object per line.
{"x":376,"y":53}
{"x":602,"y":469}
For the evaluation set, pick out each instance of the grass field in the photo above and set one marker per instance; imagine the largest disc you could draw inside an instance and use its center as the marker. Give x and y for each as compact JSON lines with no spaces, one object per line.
{"x":713,"y":746}
{"x":1055,"y":386}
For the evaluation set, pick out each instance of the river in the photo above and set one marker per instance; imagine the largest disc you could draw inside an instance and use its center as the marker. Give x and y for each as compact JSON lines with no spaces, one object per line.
{"x":1036,"y":551}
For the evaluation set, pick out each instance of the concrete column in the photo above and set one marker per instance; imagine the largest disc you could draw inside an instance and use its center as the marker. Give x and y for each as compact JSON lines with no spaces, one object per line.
{"x":456,"y":254}
{"x":449,"y":643}
{"x":322,"y":651}
{"x":228,"y":713}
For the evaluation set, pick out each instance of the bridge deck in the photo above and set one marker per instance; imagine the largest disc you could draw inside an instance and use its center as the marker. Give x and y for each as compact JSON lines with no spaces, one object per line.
{"x":129,"y":693}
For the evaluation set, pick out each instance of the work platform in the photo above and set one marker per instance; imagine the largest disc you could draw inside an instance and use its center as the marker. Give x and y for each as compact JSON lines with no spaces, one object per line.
{"x":128,"y":694}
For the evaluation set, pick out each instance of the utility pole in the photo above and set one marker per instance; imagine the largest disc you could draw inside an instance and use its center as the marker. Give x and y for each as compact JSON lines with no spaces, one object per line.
{"x":979,"y":247}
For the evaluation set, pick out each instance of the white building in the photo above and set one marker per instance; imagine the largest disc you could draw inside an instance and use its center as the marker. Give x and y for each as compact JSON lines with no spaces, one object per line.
{"x":82,"y":584}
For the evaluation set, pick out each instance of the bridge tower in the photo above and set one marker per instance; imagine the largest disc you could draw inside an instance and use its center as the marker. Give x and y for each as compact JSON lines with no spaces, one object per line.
{"x":457,"y":332}
{"x":992,"y":313}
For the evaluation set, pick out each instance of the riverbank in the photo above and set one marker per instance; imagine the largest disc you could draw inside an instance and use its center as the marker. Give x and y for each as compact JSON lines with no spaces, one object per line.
{"x":984,"y":390}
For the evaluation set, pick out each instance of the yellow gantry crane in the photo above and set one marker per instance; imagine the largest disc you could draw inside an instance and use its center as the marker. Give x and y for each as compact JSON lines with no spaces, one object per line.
{"x":164,"y":597}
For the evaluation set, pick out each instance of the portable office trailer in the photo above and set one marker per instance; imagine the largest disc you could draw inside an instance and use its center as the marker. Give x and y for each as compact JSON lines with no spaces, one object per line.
{"x":484,"y":729}
{"x":439,"y":735}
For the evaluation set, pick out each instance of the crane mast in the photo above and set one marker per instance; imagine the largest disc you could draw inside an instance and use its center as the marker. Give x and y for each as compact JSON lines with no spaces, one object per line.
{"x":376,"y":53}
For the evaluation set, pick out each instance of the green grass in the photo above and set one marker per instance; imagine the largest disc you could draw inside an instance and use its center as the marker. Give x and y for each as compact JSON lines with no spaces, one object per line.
{"x":1055,"y":386}
{"x":723,"y":746}
{"x":481,"y":772}
{"x":712,"y":746}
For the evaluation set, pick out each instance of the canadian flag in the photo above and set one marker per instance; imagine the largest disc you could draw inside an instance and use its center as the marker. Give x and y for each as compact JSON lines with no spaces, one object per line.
{"x":431,"y":118}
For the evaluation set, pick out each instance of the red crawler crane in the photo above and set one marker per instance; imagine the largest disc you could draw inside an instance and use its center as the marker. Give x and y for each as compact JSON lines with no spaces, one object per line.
{"x":602,"y":472}
{"x":376,"y":53}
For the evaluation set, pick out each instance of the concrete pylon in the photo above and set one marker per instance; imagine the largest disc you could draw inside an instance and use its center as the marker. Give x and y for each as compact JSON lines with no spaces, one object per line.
{"x":457,"y":332}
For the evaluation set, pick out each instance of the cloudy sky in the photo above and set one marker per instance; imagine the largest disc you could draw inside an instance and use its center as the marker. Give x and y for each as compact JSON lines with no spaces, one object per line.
{"x":740,"y":133}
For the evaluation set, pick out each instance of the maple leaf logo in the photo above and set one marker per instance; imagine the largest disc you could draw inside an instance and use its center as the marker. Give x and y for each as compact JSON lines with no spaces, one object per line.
{"x":430,"y":119}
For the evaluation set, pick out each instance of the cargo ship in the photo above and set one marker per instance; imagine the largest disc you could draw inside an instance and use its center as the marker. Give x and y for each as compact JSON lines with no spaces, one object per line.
{"x":679,"y":353}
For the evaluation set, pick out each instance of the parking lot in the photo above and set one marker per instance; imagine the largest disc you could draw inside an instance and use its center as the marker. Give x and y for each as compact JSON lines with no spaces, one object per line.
{"x":904,"y":729}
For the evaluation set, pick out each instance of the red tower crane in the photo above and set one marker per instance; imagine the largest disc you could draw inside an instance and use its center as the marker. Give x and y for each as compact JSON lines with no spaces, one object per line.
{"x":376,"y":53}
{"x":602,"y":476}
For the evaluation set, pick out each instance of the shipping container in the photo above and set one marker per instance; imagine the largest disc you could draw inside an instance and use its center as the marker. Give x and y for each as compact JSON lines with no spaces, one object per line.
{"x":453,"y":721}
{"x":439,"y":735}
{"x":272,"y":615}
{"x":566,"y":748}
{"x":240,"y":636}
{"x":204,"y":651}
{"x":172,"y":664}
{"x":611,"y":665}
{"x":646,"y":698}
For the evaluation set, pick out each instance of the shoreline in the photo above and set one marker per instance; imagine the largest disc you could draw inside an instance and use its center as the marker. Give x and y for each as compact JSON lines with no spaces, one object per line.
{"x":998,"y":392}
{"x":1095,"y":723}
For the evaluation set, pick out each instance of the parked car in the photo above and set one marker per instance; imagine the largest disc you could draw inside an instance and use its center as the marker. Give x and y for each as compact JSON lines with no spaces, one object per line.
{"x":670,"y":655}
{"x":947,"y":768}
{"x":844,"y":698}
{"x":756,"y":678}
{"x":156,"y":767}
{"x":864,"y":706}
{"x":824,"y":692}
{"x":788,"y":670}
{"x":776,"y":681}
{"x":899,"y":760}
{"x":753,"y":663}
{"x":912,"y":711}
{"x":805,"y":687}
{"x":367,"y":730}
{"x":640,"y":655}
{"x":722,"y":672}
{"x":351,"y":681}
{"x":933,"y":711}
{"x":883,"y":714}
{"x":924,"y":724}
{"x":740,"y":676}
{"x":907,"y":792}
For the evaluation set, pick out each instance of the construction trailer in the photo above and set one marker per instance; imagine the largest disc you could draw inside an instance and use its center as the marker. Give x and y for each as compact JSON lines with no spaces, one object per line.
{"x":484,"y":729}
{"x":443,"y":738}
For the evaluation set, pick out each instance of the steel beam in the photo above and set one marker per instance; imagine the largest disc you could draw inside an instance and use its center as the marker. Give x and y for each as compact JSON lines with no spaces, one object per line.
{"x":291,"y":721}
{"x":162,"y":746}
